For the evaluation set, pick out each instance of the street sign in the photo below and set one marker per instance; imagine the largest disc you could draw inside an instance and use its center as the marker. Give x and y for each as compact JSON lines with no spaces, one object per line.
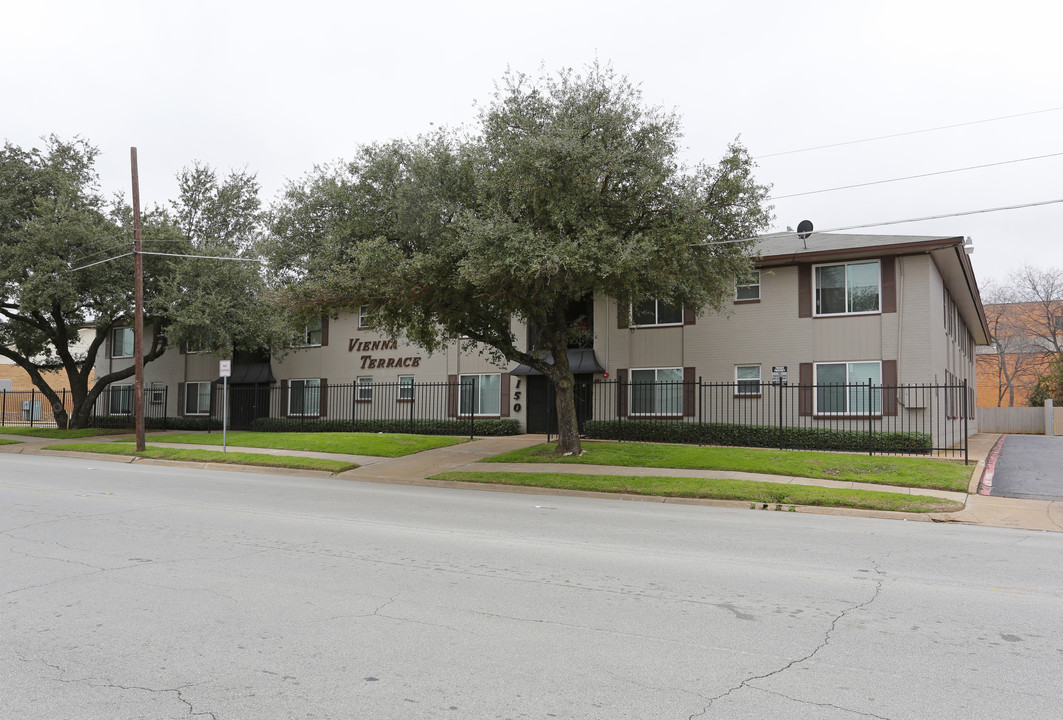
{"x":778,"y":374}
{"x":225,"y":368}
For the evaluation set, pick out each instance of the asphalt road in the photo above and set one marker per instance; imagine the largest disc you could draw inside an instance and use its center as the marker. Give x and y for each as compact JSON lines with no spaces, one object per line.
{"x":138,"y":592}
{"x":1030,"y":466}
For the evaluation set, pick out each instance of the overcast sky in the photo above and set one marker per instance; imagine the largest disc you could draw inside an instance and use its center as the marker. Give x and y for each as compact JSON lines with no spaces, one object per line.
{"x":279,"y":87}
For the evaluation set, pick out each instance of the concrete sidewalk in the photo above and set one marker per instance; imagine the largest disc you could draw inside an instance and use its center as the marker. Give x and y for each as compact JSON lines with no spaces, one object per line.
{"x":416,"y":468}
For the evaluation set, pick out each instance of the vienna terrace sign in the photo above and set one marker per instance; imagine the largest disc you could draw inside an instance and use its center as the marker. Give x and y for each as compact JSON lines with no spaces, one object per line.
{"x":370,"y":362}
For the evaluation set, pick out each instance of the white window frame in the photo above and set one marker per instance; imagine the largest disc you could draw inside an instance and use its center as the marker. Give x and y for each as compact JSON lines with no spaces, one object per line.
{"x":291,"y":394}
{"x":199,"y":397}
{"x":479,"y":411}
{"x":364,"y":389}
{"x":739,"y":286}
{"x":846,"y":265}
{"x":406,"y":385}
{"x":739,"y":381}
{"x":309,"y":331}
{"x":656,"y":315}
{"x":633,"y":385}
{"x":122,"y":391}
{"x":876,"y":399}
{"x":115,"y":345}
{"x":365,"y":318}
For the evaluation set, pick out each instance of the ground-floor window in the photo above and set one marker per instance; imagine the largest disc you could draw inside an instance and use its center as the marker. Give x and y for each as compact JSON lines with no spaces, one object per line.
{"x":406,"y":387}
{"x":481,"y":394}
{"x":842,"y":388}
{"x":747,"y":379}
{"x":304,"y":397}
{"x":657,"y":391}
{"x":197,"y":398}
{"x":365,"y":389}
{"x":120,"y":399}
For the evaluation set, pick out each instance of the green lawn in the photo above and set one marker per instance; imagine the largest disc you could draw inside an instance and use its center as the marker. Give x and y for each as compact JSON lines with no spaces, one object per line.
{"x":54,"y":434}
{"x":901,"y":471}
{"x":352,"y":443}
{"x":744,"y":490}
{"x":5,"y":441}
{"x":214,"y":456}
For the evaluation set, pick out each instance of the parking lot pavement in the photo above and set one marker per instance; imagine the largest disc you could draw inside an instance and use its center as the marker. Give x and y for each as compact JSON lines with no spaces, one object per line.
{"x":1030,"y":466}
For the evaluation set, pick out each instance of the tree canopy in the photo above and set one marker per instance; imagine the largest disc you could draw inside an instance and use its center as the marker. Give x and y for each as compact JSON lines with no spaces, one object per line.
{"x":569,"y":186}
{"x":66,"y":264}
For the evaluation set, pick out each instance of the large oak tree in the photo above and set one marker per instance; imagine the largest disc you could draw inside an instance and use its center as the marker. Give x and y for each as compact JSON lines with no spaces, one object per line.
{"x":569,"y":186}
{"x":54,"y":222}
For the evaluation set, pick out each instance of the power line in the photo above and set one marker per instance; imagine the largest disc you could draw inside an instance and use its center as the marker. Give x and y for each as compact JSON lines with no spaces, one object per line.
{"x":909,"y":132}
{"x":199,"y":257}
{"x":768,"y":236}
{"x":914,"y":177}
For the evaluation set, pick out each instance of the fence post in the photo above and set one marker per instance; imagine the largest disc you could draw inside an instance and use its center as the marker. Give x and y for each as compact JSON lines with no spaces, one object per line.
{"x":966,"y":413}
{"x":3,"y":407}
{"x":870,"y":419}
{"x":472,"y":409}
{"x":779,"y":391}
{"x":33,"y":404}
{"x":701,"y":420}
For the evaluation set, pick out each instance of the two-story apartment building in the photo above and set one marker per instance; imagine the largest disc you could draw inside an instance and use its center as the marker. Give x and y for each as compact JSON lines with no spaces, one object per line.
{"x":830,"y":309}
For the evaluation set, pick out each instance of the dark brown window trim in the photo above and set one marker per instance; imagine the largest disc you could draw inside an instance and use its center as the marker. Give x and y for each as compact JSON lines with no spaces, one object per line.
{"x":749,"y":396}
{"x":654,"y":417}
{"x":746,"y":302}
{"x":402,"y":400}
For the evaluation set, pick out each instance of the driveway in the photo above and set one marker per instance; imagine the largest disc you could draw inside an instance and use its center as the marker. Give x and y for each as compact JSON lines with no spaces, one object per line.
{"x":1030,"y":466}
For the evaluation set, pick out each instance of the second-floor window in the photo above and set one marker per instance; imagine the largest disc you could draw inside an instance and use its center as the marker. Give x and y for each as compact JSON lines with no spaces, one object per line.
{"x":654,"y":312}
{"x":847,"y":288}
{"x":122,"y":342}
{"x":748,"y":288}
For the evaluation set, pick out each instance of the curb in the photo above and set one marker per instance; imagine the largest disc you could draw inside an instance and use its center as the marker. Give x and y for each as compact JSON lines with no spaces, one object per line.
{"x":985,"y":485}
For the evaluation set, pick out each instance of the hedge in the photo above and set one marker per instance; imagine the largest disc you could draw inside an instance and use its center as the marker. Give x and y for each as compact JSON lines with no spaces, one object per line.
{"x":492,"y":427}
{"x":795,"y":438}
{"x":155,"y":423}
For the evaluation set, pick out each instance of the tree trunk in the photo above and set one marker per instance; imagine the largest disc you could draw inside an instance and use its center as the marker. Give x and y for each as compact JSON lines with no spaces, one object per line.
{"x":560,"y":373}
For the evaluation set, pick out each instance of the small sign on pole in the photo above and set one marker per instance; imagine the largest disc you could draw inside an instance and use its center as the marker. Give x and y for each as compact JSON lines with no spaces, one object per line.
{"x":225,"y":370}
{"x":778,"y":375}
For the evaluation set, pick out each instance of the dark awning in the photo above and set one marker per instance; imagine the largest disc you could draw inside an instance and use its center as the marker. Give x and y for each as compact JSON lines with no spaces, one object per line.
{"x":582,"y":362}
{"x":251,"y":374}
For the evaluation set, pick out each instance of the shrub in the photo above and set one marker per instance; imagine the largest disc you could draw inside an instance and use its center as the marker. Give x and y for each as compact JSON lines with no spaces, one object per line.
{"x":155,"y":423}
{"x":492,"y":427}
{"x":795,"y":438}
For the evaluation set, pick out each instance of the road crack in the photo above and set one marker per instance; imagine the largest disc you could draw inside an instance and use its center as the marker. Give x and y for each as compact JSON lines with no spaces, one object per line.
{"x":822,"y":644}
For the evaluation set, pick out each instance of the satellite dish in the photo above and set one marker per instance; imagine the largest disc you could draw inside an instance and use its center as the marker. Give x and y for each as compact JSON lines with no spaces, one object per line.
{"x":804,"y":229}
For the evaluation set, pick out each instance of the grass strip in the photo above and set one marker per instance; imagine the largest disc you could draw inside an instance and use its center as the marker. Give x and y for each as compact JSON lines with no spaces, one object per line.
{"x":350,"y":443}
{"x":55,"y":434}
{"x":744,"y":490}
{"x":213,"y":456}
{"x":898,"y":471}
{"x":5,"y":441}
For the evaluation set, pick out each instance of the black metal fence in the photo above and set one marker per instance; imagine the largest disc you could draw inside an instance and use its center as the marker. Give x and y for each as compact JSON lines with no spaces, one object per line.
{"x":30,"y":408}
{"x":862,"y":417}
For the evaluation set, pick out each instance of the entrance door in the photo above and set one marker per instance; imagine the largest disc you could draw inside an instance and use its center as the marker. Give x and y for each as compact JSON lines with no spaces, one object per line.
{"x":542,"y":403}
{"x":247,"y":404}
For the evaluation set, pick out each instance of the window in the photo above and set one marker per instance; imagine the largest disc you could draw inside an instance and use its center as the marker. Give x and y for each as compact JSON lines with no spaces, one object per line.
{"x":158,"y":393}
{"x":842,"y":388}
{"x":121,"y":399}
{"x":481,"y":394}
{"x":847,"y":288}
{"x":657,"y":391}
{"x":365,"y":320}
{"x":122,"y":343}
{"x":749,"y":290}
{"x":747,"y":380}
{"x":304,"y":397}
{"x":311,"y":336}
{"x":406,"y":387}
{"x":654,"y":312}
{"x":1058,"y":323}
{"x":364,"y":389}
{"x":197,"y":398}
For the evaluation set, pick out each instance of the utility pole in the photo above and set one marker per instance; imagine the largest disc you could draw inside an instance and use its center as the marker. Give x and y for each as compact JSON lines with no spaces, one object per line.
{"x":138,"y":309}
